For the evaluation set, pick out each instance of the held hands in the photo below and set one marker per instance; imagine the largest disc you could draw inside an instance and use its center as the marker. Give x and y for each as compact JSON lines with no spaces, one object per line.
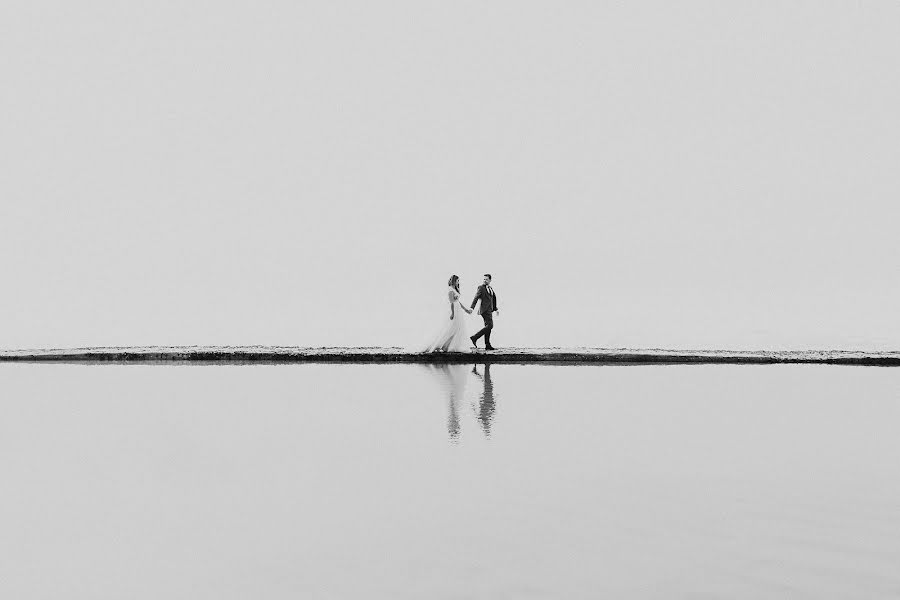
{"x":468,"y":310}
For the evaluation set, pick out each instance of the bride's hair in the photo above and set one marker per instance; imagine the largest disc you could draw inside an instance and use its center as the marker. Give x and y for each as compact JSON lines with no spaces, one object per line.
{"x":454,"y":282}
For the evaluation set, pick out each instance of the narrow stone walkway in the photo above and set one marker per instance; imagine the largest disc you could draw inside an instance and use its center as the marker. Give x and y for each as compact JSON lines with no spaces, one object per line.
{"x":288,"y":354}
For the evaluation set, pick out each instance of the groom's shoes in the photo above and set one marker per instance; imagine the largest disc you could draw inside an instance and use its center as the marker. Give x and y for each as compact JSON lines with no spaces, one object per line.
{"x":474,"y":342}
{"x":488,"y":347}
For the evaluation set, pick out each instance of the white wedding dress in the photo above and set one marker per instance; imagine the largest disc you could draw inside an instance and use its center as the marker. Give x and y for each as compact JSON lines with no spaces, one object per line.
{"x":453,"y":335}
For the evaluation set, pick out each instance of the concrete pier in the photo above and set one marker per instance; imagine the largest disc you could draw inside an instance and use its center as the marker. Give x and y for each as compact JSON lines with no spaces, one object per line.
{"x":375,"y":355}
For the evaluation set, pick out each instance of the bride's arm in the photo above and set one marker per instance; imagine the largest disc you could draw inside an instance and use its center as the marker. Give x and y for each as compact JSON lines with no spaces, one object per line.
{"x":468,"y":310}
{"x":452,"y":297}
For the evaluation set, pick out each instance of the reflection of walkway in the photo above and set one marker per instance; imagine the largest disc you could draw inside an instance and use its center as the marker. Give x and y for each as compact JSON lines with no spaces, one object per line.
{"x":453,"y":378}
{"x":486,"y":404}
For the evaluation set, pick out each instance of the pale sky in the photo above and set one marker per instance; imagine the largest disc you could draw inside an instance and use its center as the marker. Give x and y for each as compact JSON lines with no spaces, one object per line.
{"x":685,"y":175}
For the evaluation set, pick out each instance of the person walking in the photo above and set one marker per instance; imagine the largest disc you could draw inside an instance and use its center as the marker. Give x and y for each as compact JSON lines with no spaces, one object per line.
{"x":488,"y":307}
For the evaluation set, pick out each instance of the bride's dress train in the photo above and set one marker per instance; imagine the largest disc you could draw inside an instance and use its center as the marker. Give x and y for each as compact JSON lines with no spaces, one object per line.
{"x":453,"y":335}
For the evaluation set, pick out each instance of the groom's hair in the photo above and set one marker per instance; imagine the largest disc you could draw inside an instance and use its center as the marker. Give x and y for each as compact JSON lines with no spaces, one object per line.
{"x":488,"y":275}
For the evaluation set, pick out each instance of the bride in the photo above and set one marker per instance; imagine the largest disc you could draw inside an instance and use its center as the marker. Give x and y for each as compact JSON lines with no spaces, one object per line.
{"x":453,"y":336}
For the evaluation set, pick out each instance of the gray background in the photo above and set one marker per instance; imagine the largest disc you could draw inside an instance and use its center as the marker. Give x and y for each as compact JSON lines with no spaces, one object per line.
{"x":652,"y":174}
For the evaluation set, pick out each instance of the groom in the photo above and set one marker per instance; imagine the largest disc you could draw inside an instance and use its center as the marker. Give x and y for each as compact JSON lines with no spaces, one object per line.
{"x":488,"y":306}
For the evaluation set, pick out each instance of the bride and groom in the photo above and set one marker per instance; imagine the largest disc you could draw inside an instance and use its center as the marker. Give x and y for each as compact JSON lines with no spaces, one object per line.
{"x":453,"y":334}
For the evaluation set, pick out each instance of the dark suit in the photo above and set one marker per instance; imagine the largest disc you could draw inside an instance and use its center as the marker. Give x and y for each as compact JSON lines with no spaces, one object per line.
{"x":488,"y":306}
{"x":488,"y":300}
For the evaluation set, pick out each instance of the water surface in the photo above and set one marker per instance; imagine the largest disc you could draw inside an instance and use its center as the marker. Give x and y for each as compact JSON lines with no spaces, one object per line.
{"x":455,"y":481}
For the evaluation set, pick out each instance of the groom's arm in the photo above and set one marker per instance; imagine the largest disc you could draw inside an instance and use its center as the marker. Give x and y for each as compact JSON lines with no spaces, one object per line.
{"x":477,"y":296}
{"x":496,"y":306}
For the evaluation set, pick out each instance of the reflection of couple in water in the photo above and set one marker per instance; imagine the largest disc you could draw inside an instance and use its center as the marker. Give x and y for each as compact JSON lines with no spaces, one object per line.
{"x":454,"y":379}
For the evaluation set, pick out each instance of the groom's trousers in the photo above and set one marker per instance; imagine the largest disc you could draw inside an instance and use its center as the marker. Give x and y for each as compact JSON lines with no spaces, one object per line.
{"x":486,"y":331}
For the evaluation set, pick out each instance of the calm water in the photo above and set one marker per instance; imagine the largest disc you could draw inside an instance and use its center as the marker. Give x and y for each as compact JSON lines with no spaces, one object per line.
{"x":408,"y":481}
